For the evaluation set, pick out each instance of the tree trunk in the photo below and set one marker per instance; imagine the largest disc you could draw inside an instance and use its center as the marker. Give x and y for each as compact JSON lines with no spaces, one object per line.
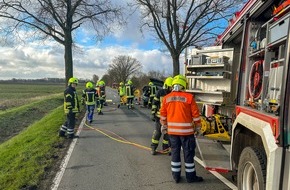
{"x":175,"y":59}
{"x":68,"y":44}
{"x":68,"y":56}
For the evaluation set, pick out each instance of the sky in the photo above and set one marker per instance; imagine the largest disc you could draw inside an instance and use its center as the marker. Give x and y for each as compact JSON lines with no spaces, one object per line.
{"x":36,"y":60}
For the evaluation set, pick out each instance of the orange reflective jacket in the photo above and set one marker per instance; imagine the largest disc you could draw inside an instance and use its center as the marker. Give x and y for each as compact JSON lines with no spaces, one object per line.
{"x":179,"y":111}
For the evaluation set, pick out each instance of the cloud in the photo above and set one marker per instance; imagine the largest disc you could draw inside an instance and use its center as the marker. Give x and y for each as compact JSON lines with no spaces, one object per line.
{"x":39,"y":59}
{"x":35,"y":60}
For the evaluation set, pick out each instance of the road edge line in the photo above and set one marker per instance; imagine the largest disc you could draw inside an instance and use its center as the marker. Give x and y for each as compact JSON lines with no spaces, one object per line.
{"x":218,"y":175}
{"x":58,"y":176}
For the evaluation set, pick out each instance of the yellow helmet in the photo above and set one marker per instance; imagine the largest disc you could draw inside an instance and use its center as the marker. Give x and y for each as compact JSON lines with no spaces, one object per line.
{"x":121,"y":83}
{"x":129,"y":82}
{"x":89,"y":85}
{"x":179,"y":79}
{"x":102,"y":83}
{"x":168,"y":82}
{"x":73,"y":80}
{"x":150,"y":84}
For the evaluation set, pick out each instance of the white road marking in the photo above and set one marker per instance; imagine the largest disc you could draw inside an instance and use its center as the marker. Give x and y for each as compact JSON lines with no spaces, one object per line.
{"x":218,"y":175}
{"x":64,"y":163}
{"x":59,"y":175}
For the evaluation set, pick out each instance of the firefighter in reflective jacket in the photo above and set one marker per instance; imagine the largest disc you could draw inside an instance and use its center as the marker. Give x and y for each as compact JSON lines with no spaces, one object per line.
{"x":89,"y":97}
{"x":101,"y":96}
{"x":156,"y":104}
{"x":179,"y":115}
{"x":71,"y":107}
{"x":152,"y":93}
{"x":130,"y":94}
{"x":122,"y":93}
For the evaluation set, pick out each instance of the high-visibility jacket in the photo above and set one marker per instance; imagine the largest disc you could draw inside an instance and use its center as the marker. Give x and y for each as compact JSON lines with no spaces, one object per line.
{"x":71,"y":101}
{"x":101,"y":92}
{"x":122,"y":90}
{"x":153,"y":90}
{"x":157,"y":101}
{"x":90,"y":96}
{"x":130,"y":91}
{"x":179,"y":112}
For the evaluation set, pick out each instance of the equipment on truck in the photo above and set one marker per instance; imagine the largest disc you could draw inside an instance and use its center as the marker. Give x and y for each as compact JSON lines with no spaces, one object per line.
{"x":245,"y":122}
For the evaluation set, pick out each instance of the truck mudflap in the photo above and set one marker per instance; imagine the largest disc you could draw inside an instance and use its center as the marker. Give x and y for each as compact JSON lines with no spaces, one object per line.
{"x":214,"y":155}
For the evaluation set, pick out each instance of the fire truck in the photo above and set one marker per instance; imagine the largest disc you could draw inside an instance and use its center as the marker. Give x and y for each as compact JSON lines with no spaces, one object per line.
{"x":242,"y":86}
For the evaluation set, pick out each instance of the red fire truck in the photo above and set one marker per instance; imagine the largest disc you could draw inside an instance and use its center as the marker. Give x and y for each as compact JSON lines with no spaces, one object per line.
{"x":242,"y":85}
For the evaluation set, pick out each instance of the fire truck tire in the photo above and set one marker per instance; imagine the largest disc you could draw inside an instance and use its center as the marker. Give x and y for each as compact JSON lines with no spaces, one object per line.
{"x":252,"y":169}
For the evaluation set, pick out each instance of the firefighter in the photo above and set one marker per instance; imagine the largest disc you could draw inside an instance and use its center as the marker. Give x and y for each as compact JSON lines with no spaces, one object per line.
{"x":121,"y":92}
{"x":101,"y":97}
{"x":156,"y":104}
{"x":89,"y":97}
{"x":179,"y":115}
{"x":130,"y":94}
{"x":71,"y":107}
{"x":152,"y":92}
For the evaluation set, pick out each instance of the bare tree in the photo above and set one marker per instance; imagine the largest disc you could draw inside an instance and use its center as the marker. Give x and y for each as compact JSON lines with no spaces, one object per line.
{"x":95,"y":78}
{"x":57,"y":19}
{"x":123,"y":67}
{"x":107,"y":79}
{"x":156,"y":74}
{"x":182,"y":23}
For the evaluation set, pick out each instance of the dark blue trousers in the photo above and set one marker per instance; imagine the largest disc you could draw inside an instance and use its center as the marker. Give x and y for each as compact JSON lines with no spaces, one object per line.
{"x":188,"y":145}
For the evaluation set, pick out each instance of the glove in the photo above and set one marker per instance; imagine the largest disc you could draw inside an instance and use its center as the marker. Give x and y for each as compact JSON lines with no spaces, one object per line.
{"x":198,"y":131}
{"x":163,"y":129}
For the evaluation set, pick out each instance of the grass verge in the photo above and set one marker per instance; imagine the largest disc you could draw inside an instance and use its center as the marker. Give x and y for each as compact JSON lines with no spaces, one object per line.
{"x":15,"y":120}
{"x":27,"y":157}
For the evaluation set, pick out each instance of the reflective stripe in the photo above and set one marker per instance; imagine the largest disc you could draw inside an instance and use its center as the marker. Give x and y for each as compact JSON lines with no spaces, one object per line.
{"x":180,"y":130}
{"x":189,"y":164}
{"x":155,"y":141}
{"x":176,"y":99}
{"x":196,"y":119}
{"x":165,"y":142}
{"x":179,"y":124}
{"x":176,"y":169}
{"x":175,"y":163}
{"x":189,"y":170}
{"x":63,"y":128}
{"x":162,"y":118}
{"x":68,"y":95}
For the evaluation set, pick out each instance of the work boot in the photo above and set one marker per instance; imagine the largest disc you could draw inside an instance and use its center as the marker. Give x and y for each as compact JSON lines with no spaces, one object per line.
{"x":61,"y":134}
{"x":90,"y":121}
{"x":71,"y":136}
{"x":176,"y":179}
{"x":153,"y":151}
{"x":119,"y":105}
{"x":196,"y":179}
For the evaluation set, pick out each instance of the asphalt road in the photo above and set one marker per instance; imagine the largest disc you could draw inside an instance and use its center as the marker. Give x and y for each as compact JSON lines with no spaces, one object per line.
{"x":113,"y":153}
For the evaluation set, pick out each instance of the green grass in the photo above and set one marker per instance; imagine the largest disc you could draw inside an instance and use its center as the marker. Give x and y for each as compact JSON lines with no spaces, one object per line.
{"x":26,"y":157}
{"x":29,"y":127}
{"x":17,"y":94}
{"x":16,"y":119}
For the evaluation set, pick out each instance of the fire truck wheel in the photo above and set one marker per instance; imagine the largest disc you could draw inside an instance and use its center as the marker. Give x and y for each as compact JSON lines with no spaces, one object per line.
{"x":252,"y":169}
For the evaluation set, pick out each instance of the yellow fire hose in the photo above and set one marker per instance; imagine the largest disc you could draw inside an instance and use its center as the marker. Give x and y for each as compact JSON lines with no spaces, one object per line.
{"x":122,"y":140}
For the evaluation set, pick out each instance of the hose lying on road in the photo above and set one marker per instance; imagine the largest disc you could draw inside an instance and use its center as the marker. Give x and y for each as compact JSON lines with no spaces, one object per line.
{"x":122,"y":140}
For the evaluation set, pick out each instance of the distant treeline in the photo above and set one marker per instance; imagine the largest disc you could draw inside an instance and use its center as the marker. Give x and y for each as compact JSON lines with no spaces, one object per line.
{"x":44,"y":80}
